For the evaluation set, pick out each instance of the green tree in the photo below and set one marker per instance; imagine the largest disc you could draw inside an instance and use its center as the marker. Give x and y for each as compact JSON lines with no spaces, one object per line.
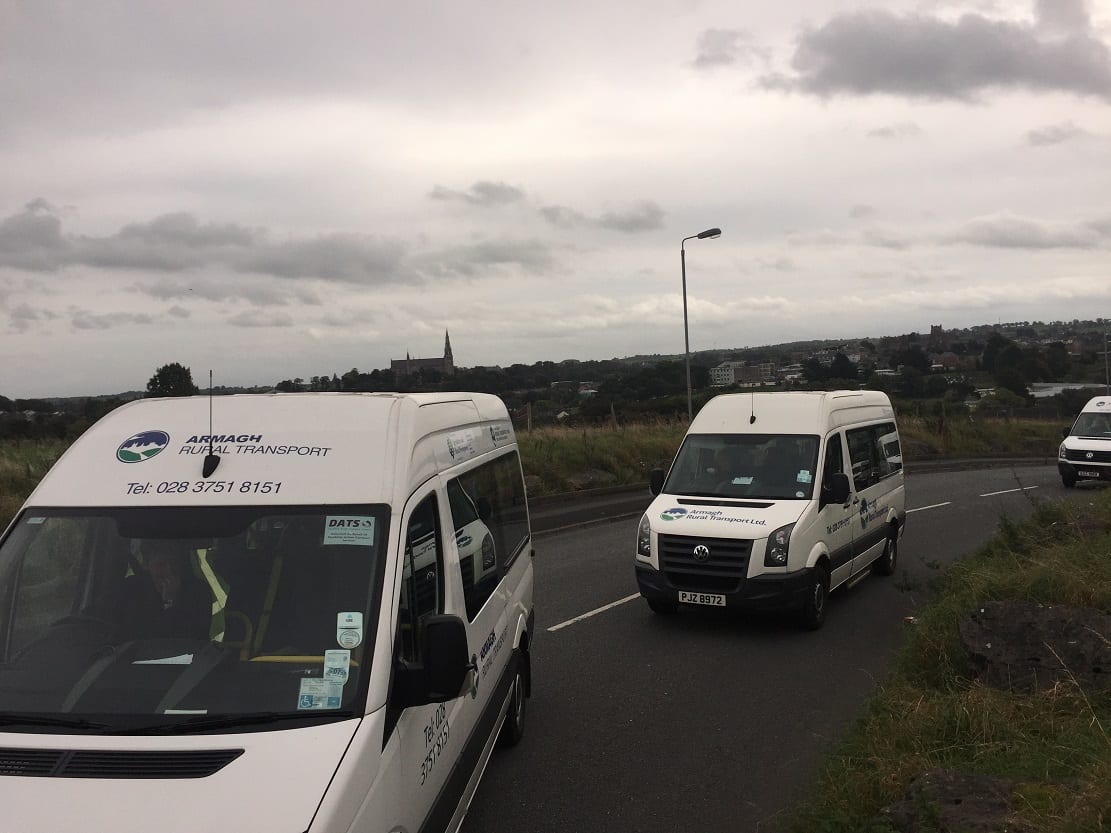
{"x":171,"y":380}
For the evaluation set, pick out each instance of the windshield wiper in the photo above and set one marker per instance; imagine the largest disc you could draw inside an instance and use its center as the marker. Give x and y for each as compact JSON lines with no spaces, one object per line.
{"x":45,"y":720}
{"x":203,"y":723}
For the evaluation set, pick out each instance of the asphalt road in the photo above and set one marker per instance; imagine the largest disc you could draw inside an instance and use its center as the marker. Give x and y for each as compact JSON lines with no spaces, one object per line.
{"x":708,"y":722}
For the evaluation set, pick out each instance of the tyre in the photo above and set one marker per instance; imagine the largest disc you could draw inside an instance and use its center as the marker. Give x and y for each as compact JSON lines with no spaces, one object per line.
{"x":661,"y":607}
{"x":1068,"y":479}
{"x":513,"y":729}
{"x":817,"y":596}
{"x":885,"y":564}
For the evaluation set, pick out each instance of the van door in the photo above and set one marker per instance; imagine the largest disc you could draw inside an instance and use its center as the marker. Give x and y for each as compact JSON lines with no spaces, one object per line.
{"x":870,"y":469}
{"x":427,"y":738}
{"x":835,"y":520}
{"x":475,"y":573}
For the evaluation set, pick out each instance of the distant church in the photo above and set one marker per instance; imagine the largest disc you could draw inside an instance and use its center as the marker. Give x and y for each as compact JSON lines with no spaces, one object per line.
{"x":408,"y":366}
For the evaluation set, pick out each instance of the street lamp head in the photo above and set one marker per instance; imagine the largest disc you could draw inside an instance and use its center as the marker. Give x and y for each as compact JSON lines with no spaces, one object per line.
{"x":709,"y":233}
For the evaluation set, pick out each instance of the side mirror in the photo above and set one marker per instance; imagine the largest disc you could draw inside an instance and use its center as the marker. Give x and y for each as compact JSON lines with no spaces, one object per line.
{"x":656,"y":481}
{"x":1065,"y":431}
{"x":441,"y":676}
{"x":837,"y":488}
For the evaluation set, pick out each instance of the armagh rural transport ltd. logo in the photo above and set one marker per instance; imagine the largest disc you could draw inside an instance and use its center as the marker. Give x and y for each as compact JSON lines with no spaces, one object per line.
{"x":142,"y":446}
{"x":673,"y":514}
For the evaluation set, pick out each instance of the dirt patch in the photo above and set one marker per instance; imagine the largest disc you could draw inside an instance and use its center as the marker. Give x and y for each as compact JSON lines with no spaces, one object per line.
{"x":1026,"y":647}
{"x":943,"y":801}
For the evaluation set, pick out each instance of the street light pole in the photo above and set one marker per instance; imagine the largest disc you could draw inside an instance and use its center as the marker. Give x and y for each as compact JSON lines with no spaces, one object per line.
{"x":710,"y":233}
{"x":1106,"y":374}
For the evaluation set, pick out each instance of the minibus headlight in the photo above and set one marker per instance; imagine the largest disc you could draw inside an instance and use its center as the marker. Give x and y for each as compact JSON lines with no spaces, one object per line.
{"x":644,"y":538}
{"x":778,"y":544}
{"x":1061,"y":452}
{"x":487,"y":552}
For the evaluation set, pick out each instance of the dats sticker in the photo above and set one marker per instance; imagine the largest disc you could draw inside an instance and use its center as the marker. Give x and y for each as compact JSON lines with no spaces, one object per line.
{"x":336,"y":666}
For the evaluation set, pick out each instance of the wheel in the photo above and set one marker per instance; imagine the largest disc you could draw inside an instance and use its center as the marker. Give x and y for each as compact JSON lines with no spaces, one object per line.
{"x":1069,"y":480}
{"x":885,"y":564}
{"x":513,"y":729}
{"x":661,"y":607}
{"x":814,"y":606}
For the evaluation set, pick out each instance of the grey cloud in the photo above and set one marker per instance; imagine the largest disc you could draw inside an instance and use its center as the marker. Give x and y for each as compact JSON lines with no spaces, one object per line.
{"x":1054,"y":134}
{"x":861,"y":211}
{"x":258,"y":318}
{"x":900,"y":130}
{"x":1062,"y":16}
{"x":724,"y":47}
{"x":351,"y":258}
{"x":256,"y":292}
{"x":642,"y":216}
{"x":647,"y":216}
{"x":33,"y":240}
{"x":178,"y":312}
{"x":1009,"y":231}
{"x":24,"y":316}
{"x":484,"y":193}
{"x":885,"y":239}
{"x":562,"y":217}
{"x":83,"y":320}
{"x":876,"y":51}
{"x":479,"y":259}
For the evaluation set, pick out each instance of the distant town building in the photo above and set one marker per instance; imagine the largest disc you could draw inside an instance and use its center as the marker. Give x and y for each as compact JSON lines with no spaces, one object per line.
{"x":728,"y":373}
{"x":408,"y":366}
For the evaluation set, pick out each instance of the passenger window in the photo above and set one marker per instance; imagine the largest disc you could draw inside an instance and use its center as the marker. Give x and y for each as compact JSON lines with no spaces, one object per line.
{"x":874,"y":453}
{"x":490,"y":518}
{"x":834,"y":463}
{"x":422,"y":576}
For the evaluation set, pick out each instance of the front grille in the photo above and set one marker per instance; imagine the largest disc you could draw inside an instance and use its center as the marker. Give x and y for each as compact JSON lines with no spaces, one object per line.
{"x":62,"y":763}
{"x":722,"y":572}
{"x":1074,"y":456}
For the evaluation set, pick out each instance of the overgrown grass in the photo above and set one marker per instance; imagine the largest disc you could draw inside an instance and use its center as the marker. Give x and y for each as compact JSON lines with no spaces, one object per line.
{"x":22,"y":465}
{"x":930,"y":713}
{"x":959,"y":436}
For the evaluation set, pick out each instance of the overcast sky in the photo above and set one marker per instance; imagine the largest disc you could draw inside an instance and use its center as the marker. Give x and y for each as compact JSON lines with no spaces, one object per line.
{"x":274,"y":190}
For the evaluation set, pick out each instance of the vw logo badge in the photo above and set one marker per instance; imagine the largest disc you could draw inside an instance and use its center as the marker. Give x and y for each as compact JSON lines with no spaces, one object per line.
{"x":1089,"y":455}
{"x":701,"y":552}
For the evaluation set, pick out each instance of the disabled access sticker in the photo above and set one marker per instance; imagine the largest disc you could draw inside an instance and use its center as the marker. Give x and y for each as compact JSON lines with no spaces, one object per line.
{"x":317,"y":693}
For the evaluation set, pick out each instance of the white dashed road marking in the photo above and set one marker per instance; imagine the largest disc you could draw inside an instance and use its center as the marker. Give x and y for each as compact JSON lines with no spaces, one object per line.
{"x":594,"y":612}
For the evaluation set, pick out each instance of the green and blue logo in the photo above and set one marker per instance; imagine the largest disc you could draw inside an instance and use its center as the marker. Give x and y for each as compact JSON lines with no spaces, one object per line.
{"x":142,"y":446}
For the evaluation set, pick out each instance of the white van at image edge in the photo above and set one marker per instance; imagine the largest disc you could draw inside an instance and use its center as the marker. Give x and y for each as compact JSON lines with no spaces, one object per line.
{"x":1085,"y":452}
{"x":314,"y":616}
{"x":773,"y":501}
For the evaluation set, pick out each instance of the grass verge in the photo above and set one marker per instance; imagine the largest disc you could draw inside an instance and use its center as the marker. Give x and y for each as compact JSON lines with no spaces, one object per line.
{"x":931,"y":714}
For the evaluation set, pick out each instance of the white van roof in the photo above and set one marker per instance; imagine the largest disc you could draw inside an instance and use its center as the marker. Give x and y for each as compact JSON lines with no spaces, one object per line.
{"x":1098,"y":404}
{"x":801,"y":412}
{"x":323,"y":448}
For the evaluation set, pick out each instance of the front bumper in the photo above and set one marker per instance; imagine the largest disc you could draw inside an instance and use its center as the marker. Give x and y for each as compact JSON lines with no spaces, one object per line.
{"x":783,"y":591}
{"x":1084,"y":471}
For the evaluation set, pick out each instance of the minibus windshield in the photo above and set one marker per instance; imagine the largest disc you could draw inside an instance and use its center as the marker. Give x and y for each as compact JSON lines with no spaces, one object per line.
{"x":1092,"y":425}
{"x":120,"y":620}
{"x":759,"y":466}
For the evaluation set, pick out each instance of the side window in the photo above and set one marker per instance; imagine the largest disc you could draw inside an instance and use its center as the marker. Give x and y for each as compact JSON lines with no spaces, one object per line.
{"x":834,"y":462}
{"x":874,"y":452}
{"x":422,"y":575}
{"x":490,"y":517}
{"x":863,"y":457}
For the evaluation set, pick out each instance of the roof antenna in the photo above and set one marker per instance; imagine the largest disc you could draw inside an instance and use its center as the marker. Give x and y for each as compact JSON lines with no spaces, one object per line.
{"x":752,"y":409}
{"x":211,"y":460}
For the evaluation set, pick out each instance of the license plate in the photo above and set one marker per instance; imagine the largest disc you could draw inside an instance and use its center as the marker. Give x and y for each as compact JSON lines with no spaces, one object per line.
{"x":1088,"y":473}
{"x":714,"y":599}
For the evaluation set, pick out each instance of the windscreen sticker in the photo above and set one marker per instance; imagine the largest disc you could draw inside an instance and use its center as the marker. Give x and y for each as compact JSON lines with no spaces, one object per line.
{"x":317,"y":693}
{"x":742,"y":481}
{"x":36,"y":520}
{"x":336,"y":665}
{"x":804,"y":476}
{"x":349,"y":629}
{"x":357,"y":530}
